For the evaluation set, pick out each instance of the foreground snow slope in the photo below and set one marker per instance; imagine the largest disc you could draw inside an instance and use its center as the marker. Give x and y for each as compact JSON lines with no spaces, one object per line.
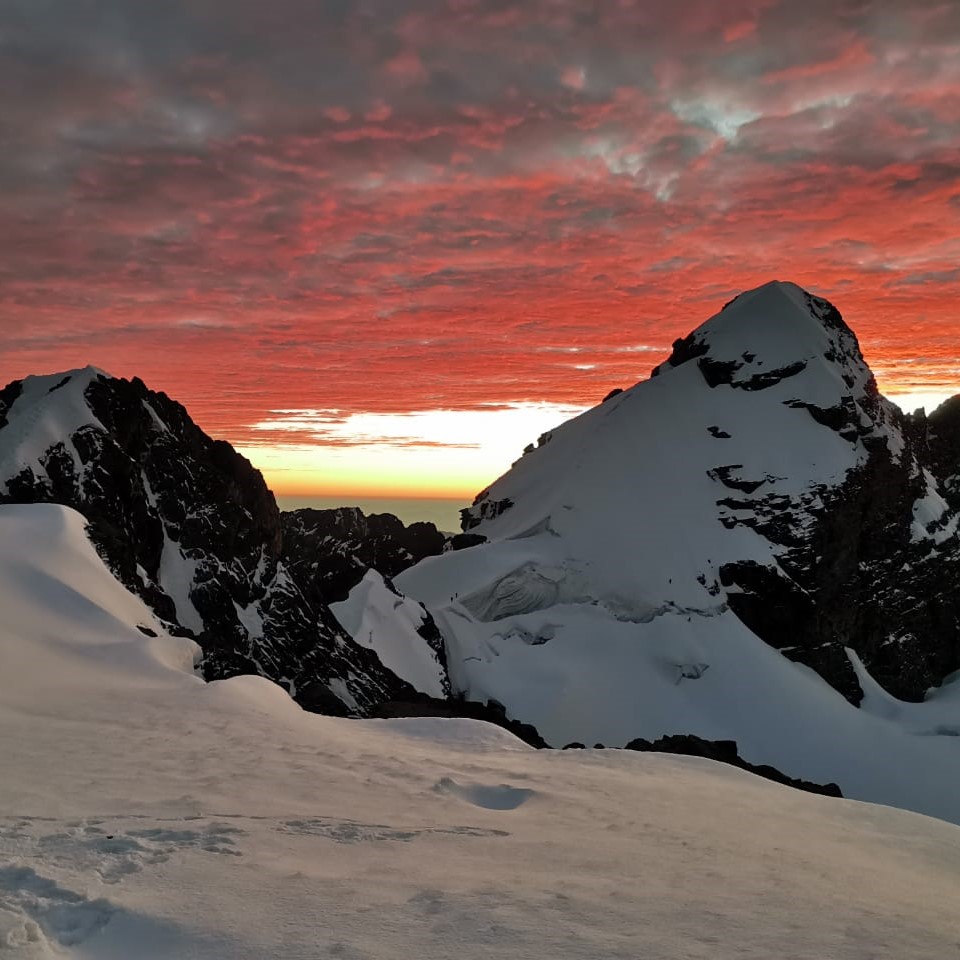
{"x":146,"y":815}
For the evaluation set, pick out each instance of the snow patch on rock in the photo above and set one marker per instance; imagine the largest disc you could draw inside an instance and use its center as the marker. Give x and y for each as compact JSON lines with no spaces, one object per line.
{"x":379,"y":618}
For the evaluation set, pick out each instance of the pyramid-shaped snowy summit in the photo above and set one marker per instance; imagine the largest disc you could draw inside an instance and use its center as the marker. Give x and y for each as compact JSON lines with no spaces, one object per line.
{"x":753,"y":503}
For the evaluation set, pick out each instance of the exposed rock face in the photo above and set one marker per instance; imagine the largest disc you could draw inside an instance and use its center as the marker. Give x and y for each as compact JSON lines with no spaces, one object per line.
{"x":461,"y":541}
{"x":330,"y":550}
{"x":725,"y":751}
{"x":483,"y":508}
{"x":863,"y":574}
{"x":189,"y":525}
{"x":874,"y":578}
{"x":943,"y":436}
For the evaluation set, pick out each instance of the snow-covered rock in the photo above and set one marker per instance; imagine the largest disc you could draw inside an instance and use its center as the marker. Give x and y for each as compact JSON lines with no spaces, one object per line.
{"x":399,"y":630}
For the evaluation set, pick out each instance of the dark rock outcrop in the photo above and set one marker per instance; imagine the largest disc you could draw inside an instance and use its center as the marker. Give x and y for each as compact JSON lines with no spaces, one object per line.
{"x":858,"y":575}
{"x":725,"y":751}
{"x":328,"y":551}
{"x":461,"y":541}
{"x":483,"y":508}
{"x":8,"y":395}
{"x":943,"y":440}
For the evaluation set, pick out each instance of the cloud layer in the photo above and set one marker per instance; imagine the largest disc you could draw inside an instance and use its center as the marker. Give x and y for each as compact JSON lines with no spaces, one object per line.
{"x":378,"y":206}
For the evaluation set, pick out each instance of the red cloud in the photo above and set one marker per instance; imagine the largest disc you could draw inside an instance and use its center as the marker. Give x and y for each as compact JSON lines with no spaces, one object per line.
{"x":856,"y":56}
{"x":739,"y":31}
{"x":400,"y":239}
{"x":406,"y":68}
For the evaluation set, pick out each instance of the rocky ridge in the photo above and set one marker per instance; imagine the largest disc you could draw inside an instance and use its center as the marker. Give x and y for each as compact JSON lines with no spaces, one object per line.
{"x":725,"y":751}
{"x":189,"y":525}
{"x":333,"y":549}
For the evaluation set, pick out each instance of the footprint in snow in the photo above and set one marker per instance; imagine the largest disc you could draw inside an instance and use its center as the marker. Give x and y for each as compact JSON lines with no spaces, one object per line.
{"x":114,"y":850}
{"x":352,"y":831}
{"x":43,"y":919}
{"x":490,"y":797}
{"x":35,"y":911}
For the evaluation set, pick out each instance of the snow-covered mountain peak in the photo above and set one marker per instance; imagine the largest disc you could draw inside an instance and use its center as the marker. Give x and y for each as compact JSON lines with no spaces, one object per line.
{"x":39,"y":413}
{"x":752,"y":486}
{"x":779,"y":332}
{"x":82,"y":374}
{"x":780,"y":317}
{"x":770,"y":396}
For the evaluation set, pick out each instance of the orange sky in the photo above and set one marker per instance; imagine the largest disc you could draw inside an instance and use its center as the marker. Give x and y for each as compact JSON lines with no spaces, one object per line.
{"x":307,"y":220}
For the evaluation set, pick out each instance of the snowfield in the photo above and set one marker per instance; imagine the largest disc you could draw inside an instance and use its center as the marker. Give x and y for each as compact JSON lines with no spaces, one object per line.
{"x":145,"y":814}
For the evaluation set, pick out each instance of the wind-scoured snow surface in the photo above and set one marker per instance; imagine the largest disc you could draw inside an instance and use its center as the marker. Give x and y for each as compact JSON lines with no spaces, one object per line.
{"x":596,"y":611}
{"x":144,"y":814}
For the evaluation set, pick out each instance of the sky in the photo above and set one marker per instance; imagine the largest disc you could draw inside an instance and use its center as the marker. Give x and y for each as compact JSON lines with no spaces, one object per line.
{"x":380,"y":245}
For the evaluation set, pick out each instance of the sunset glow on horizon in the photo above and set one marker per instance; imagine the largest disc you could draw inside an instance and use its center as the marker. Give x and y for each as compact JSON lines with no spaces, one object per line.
{"x":428,"y":453}
{"x":381,"y":246}
{"x":421,"y":454}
